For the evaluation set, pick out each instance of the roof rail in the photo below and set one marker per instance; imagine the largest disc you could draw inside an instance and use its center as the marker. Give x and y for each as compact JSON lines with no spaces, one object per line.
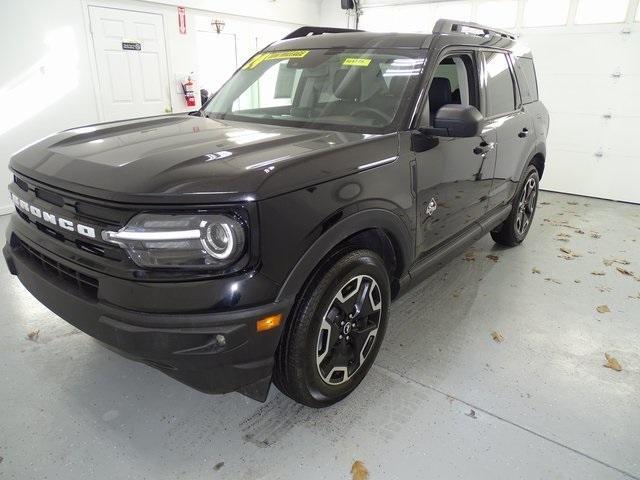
{"x":455,"y":26}
{"x":307,"y":31}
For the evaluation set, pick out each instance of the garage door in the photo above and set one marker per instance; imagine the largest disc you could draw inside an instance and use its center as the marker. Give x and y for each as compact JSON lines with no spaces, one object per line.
{"x":589,"y":82}
{"x":131,"y":62}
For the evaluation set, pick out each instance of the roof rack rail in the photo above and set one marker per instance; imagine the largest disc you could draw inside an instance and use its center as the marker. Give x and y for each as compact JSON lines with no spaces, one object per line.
{"x":455,"y":26}
{"x":307,"y":31}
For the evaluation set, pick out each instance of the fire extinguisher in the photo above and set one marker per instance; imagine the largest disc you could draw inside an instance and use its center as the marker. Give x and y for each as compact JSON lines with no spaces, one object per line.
{"x":189,"y":92}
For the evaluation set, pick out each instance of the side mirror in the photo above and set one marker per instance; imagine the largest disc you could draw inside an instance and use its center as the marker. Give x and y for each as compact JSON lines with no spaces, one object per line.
{"x":454,"y":120}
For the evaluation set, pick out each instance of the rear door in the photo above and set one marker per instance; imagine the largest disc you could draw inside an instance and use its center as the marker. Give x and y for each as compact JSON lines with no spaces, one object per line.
{"x":454,"y":175}
{"x":131,"y":62}
{"x":515,"y":131}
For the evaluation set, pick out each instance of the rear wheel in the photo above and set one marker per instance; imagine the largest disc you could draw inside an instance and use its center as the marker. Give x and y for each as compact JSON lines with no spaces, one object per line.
{"x":335,"y":331}
{"x":515,"y":228}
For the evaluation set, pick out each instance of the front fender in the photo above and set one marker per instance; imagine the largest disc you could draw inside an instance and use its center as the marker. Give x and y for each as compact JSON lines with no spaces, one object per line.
{"x":391,"y":223}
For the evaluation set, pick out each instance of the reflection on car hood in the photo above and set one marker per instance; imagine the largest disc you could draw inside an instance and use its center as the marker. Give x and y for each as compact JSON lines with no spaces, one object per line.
{"x":192,"y":159}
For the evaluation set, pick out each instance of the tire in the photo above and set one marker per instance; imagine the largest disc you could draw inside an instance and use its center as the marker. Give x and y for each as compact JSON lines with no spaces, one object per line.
{"x":515,"y":228}
{"x":319,"y":342}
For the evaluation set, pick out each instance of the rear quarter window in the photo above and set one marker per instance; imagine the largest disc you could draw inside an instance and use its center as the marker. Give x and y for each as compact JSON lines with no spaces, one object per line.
{"x":526,"y":75}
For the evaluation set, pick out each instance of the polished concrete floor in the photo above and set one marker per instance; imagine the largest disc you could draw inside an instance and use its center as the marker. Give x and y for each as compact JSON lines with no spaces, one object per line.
{"x":444,"y":400}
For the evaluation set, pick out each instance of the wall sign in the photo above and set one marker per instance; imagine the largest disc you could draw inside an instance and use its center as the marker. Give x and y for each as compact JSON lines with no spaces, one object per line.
{"x":131,"y":46}
{"x":182,"y":20}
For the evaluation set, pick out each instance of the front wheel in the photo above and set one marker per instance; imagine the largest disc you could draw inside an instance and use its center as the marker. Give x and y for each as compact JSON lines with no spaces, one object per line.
{"x":515,"y":228}
{"x":335,"y":331}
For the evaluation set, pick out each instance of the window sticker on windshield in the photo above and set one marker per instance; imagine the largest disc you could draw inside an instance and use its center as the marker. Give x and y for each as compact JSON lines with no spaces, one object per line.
{"x":286,"y":55}
{"x":356,"y":62}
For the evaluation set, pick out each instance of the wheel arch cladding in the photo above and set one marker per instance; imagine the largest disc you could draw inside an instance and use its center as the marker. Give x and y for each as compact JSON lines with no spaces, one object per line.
{"x":538,"y":161}
{"x":378,"y":230}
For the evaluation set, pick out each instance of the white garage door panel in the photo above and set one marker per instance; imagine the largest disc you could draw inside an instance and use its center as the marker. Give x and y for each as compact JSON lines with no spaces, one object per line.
{"x":622,"y":135}
{"x":626,"y":100}
{"x":580,"y":133}
{"x":592,"y":176}
{"x":132,"y":83}
{"x":565,"y":93}
{"x":560,"y":53}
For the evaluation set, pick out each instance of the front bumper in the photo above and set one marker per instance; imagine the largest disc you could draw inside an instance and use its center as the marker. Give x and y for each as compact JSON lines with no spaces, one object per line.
{"x":184,"y":346}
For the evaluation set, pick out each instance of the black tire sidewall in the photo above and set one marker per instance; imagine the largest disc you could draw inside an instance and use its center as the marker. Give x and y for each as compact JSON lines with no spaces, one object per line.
{"x":356,"y":263}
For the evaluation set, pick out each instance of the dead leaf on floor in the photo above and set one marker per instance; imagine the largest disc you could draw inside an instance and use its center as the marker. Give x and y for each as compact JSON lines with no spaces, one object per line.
{"x":608,"y":262}
{"x":566,"y":257}
{"x":497,"y":337}
{"x":561,"y":239}
{"x":598,"y":273}
{"x":569,"y":253}
{"x":563,"y":235}
{"x":603,"y":309}
{"x":636,"y":297}
{"x":612,"y":363}
{"x":572,"y":203}
{"x":581,"y":232}
{"x":535,"y":270}
{"x":472,"y":414}
{"x":549,"y":279}
{"x":494,"y":258}
{"x":603,"y":289}
{"x":624,"y":271}
{"x":595,"y":235}
{"x":470,"y":257}
{"x":545,"y":203}
{"x":359,"y":471}
{"x":33,"y":335}
{"x":456,"y":294}
{"x":577,"y":281}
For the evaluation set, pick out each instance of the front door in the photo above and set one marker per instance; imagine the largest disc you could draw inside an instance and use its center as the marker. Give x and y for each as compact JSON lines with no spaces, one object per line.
{"x":453,"y":178}
{"x":131,"y":62}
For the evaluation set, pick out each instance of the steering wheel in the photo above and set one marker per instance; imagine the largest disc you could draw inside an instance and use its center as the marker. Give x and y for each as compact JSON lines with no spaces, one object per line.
{"x":380,"y":115}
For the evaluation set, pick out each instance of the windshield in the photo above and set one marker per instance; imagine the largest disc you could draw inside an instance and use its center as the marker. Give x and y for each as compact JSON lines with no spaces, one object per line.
{"x":352,"y":90}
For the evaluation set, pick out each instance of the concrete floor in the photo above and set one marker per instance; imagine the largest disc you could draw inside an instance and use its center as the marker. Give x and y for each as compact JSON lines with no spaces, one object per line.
{"x":444,"y":400}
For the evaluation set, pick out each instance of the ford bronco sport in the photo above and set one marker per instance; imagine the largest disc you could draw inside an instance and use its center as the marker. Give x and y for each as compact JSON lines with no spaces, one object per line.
{"x":263,"y":236}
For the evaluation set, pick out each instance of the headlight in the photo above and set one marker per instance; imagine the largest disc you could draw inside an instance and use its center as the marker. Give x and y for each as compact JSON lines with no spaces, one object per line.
{"x":198,"y":241}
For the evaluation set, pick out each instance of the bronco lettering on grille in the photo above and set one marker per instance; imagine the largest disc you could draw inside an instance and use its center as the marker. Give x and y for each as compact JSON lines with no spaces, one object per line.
{"x":52,"y":219}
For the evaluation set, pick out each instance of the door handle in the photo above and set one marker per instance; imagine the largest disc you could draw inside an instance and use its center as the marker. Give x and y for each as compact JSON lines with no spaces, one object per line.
{"x":524,"y":132}
{"x":484,"y":148}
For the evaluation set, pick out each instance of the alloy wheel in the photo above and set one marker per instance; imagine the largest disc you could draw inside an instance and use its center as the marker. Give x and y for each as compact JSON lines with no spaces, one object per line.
{"x":349,"y":329}
{"x":526,"y":206}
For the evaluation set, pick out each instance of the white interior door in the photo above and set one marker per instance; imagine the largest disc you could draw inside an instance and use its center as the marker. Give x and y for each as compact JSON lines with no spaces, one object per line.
{"x":131,"y":62}
{"x":217,"y":59}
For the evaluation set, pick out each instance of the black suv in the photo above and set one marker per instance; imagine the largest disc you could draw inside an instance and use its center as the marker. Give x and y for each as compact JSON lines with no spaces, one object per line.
{"x":264,"y":236}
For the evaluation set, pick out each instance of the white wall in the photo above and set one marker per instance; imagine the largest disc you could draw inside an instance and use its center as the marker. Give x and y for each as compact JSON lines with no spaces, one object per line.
{"x":47,"y":80}
{"x":588,"y":77}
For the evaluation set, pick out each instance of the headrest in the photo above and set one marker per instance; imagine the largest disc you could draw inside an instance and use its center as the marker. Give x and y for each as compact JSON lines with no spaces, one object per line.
{"x":347,"y":84}
{"x":439,"y":93}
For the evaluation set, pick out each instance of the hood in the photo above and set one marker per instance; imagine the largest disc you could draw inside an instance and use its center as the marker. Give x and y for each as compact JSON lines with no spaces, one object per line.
{"x":192,"y":159}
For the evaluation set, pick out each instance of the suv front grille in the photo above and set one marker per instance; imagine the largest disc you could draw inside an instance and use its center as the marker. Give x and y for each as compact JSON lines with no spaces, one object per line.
{"x":83,"y":285}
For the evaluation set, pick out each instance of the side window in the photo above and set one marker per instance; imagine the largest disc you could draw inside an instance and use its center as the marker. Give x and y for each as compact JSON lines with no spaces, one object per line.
{"x":455,"y":80}
{"x":500,"y":88}
{"x":526,"y":75}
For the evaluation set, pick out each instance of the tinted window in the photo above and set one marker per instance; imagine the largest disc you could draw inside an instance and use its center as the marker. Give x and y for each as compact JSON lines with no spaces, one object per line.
{"x":454,"y":81}
{"x":500,"y":87}
{"x":526,"y":74}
